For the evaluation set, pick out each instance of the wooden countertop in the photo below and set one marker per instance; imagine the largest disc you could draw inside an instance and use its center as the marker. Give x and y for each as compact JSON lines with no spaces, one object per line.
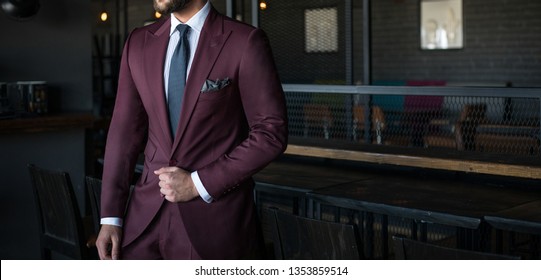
{"x":479,"y":163}
{"x":51,"y":122}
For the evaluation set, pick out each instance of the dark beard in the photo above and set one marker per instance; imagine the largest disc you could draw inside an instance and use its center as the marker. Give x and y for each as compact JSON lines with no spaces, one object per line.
{"x":173,"y":6}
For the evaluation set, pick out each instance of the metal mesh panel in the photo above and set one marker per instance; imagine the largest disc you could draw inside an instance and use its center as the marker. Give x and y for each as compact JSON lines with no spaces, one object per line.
{"x":318,"y":115}
{"x":493,"y":125}
{"x":314,"y":50}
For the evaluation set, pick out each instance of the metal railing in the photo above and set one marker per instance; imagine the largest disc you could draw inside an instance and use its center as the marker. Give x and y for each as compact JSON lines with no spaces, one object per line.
{"x":498,"y":121}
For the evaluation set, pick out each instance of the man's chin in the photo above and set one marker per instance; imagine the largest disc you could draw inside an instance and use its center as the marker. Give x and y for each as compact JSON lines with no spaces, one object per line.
{"x":169,"y":6}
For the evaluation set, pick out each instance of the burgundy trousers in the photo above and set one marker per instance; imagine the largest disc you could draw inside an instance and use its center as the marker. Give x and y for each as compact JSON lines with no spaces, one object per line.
{"x":164,"y":238}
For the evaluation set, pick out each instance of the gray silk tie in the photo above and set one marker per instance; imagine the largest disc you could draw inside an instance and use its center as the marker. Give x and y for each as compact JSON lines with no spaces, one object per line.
{"x":177,"y":77}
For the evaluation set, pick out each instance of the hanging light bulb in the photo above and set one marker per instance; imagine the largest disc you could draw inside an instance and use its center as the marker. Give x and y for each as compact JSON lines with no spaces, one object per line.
{"x":104,"y":16}
{"x":157,"y":15}
{"x":262,"y":5}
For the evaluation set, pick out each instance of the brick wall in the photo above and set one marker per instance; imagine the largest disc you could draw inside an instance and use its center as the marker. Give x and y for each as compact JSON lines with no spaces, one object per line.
{"x":502,"y":43}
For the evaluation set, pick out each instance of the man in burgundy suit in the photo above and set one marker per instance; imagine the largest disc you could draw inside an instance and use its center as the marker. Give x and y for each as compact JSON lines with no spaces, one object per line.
{"x":194,"y":199}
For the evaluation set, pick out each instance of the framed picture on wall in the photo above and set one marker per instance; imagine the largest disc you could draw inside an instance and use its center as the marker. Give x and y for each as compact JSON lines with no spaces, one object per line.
{"x":321,"y":30}
{"x":441,"y":24}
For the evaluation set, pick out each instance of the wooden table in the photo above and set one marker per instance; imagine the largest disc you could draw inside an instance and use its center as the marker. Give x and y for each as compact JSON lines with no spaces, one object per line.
{"x":425,"y":201}
{"x":294,"y":179}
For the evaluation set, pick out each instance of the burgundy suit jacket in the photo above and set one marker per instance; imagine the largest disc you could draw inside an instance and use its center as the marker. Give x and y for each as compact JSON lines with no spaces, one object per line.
{"x":226,"y":135}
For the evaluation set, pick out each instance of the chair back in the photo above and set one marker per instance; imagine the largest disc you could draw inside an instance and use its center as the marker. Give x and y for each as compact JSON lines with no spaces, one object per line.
{"x":318,"y":116}
{"x":408,"y":249}
{"x":296,"y":237}
{"x":466,"y":128}
{"x":378,"y":116}
{"x":60,"y":222}
{"x":93,"y":186}
{"x":377,"y":122}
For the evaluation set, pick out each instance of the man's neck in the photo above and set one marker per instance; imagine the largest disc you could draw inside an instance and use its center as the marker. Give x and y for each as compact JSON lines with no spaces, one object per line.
{"x":189,"y":10}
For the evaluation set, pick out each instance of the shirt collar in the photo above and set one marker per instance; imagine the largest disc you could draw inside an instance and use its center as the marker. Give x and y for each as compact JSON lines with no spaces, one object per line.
{"x":196,"y":22}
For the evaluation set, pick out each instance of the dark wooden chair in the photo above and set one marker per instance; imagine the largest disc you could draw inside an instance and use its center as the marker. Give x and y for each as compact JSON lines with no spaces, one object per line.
{"x":93,"y":187}
{"x":300,"y":238}
{"x":378,"y":123}
{"x":408,"y":249}
{"x":317,"y":116}
{"x":62,"y":229}
{"x":462,"y":136}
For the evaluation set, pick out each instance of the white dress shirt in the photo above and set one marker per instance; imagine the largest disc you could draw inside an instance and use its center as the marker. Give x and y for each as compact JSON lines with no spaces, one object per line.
{"x":196,"y":24}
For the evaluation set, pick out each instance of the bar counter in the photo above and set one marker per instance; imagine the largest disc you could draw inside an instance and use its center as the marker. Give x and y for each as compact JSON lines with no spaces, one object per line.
{"x":45,"y":123}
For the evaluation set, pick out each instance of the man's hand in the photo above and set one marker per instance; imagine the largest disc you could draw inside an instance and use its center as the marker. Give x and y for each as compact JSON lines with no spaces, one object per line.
{"x":176,"y":184}
{"x":108,"y":242}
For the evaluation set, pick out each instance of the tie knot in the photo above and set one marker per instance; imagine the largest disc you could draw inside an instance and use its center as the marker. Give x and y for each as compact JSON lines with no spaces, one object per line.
{"x":183,"y":29}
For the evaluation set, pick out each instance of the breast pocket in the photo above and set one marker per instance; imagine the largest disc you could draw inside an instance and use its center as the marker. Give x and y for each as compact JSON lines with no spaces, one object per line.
{"x":213,"y":106}
{"x":215,"y":95}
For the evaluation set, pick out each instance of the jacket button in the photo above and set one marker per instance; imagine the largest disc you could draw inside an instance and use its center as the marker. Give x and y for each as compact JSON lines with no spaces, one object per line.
{"x":172,"y":162}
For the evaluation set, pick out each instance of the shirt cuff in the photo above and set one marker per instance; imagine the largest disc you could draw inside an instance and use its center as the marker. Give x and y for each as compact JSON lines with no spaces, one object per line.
{"x":112,"y":221}
{"x":200,"y":188}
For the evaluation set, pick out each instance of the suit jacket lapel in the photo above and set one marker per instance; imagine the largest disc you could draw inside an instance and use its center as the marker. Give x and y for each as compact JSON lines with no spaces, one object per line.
{"x":211,"y":41}
{"x":154,"y":58}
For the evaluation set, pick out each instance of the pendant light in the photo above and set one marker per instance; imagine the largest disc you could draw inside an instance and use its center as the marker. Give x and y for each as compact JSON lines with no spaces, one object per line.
{"x":20,"y":9}
{"x":103,"y":15}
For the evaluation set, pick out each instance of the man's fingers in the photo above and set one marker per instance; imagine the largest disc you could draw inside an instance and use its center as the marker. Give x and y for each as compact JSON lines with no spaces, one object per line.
{"x":164,"y":177}
{"x":164,"y":185}
{"x":115,"y":250}
{"x":165,"y":190}
{"x":108,"y":242}
{"x":102,"y":252}
{"x":167,"y":169}
{"x":103,"y":249}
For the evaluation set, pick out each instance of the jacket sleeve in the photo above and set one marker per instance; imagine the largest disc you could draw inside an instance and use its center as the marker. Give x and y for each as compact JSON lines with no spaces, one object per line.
{"x":125,"y":140}
{"x":264,"y":105}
